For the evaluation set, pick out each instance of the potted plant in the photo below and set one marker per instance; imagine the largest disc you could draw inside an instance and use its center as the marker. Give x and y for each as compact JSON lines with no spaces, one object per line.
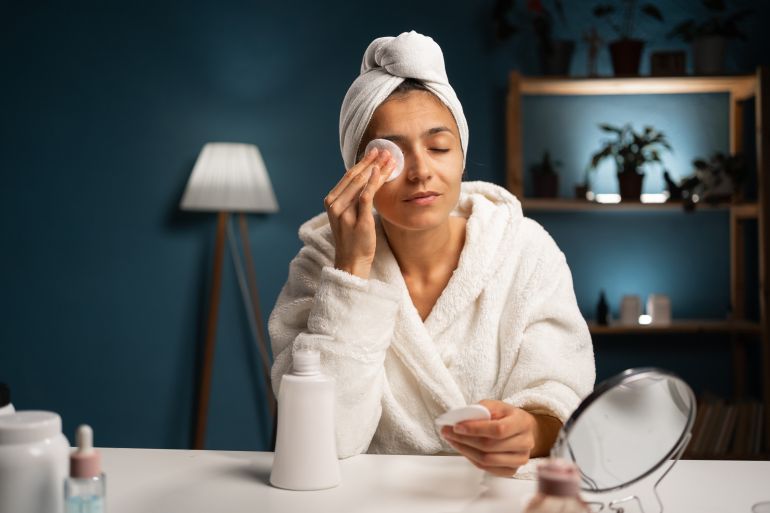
{"x":625,"y":51}
{"x":631,"y":151}
{"x":709,"y":37}
{"x":555,"y":55}
{"x":545,"y":181}
{"x":716,"y":180}
{"x":583,"y":188}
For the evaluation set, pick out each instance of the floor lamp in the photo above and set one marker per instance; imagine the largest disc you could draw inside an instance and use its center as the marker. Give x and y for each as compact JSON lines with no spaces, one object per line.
{"x":230,"y":178}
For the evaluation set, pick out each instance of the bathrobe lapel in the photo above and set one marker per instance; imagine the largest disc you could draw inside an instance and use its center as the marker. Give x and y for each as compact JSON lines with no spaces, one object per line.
{"x":487,"y":228}
{"x":413,"y":340}
{"x":412,"y":343}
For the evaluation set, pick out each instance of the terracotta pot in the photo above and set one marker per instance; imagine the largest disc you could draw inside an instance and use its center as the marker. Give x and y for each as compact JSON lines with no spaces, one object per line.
{"x":546,"y":185}
{"x":630,"y":183}
{"x":626,"y":55}
{"x":556,"y":57}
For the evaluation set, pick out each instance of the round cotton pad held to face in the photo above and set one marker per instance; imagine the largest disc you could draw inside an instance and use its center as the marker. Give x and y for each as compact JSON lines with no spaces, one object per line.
{"x":395,"y":152}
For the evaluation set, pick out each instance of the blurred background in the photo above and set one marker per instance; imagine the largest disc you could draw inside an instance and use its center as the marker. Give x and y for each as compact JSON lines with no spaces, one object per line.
{"x":106,"y":106}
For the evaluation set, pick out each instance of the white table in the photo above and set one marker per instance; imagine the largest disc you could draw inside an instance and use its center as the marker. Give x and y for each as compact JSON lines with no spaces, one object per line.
{"x":172,"y":481}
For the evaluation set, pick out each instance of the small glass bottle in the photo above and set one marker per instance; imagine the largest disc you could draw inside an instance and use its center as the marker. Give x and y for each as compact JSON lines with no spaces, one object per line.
{"x":6,"y":408}
{"x":558,"y":489}
{"x":84,"y":490}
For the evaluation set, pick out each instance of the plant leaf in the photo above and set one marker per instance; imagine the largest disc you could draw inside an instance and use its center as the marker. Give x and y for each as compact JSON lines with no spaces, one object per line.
{"x":652,"y":11}
{"x":609,"y":128}
{"x":714,"y":5}
{"x":602,"y":10}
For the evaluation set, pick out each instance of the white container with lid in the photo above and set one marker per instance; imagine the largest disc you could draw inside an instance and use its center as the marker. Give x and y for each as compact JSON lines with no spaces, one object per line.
{"x":34,"y":461}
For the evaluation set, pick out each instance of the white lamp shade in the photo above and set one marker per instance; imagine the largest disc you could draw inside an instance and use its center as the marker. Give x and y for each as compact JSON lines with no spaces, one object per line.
{"x":229,"y":177}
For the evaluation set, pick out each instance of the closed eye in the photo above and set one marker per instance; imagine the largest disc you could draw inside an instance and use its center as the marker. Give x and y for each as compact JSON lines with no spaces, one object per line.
{"x":440,"y":150}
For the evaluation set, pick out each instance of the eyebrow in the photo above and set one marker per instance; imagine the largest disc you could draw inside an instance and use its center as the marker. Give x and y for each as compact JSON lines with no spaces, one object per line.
{"x":431,"y":131}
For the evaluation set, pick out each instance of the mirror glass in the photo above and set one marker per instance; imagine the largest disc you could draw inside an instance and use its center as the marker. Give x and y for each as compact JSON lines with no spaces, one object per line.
{"x":629,"y":426}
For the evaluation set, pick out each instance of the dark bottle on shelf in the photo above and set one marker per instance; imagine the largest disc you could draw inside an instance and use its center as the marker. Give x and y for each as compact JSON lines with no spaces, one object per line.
{"x":602,"y":310}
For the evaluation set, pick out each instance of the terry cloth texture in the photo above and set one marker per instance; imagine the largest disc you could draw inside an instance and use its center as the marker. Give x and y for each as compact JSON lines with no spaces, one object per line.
{"x":386,"y":63}
{"x":506,"y":327}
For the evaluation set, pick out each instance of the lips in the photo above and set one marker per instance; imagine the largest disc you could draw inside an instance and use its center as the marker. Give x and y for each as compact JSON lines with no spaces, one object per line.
{"x":421,"y":195}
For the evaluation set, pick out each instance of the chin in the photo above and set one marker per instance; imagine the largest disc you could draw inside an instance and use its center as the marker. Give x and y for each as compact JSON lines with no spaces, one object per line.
{"x":417,"y":222}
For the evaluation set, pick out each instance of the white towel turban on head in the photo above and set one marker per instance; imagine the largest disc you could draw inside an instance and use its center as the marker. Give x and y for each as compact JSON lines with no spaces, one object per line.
{"x":387,"y":62}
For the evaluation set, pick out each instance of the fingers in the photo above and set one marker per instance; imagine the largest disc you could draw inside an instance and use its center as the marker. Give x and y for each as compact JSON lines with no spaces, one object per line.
{"x":521,"y":443}
{"x":376,"y":180}
{"x":498,"y":409}
{"x":373,"y":158}
{"x":498,"y":463}
{"x":514,"y":423}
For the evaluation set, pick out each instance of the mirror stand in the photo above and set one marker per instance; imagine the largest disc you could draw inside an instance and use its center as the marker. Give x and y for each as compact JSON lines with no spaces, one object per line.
{"x":617,"y":505}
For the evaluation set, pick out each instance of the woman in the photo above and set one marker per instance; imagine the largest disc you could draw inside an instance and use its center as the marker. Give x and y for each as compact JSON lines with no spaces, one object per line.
{"x":444,"y":296}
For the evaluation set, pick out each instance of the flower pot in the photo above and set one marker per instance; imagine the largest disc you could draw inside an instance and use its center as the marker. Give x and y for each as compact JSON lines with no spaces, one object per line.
{"x":581,"y":191}
{"x":626,"y":55}
{"x":630,"y":183}
{"x":556,"y":57}
{"x":708,"y":54}
{"x":546,"y":185}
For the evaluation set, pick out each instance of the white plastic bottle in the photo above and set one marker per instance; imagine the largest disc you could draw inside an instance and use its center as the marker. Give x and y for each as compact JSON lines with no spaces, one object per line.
{"x":6,"y":408}
{"x":558,"y":489}
{"x":33,"y":462}
{"x":306,"y":448}
{"x":85,"y":489}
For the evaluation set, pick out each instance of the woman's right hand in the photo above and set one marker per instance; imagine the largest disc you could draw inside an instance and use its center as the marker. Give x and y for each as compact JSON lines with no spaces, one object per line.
{"x":349,"y":207}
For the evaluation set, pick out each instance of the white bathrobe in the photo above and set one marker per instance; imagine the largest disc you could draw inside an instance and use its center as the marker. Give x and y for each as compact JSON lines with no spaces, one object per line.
{"x":507,"y":327}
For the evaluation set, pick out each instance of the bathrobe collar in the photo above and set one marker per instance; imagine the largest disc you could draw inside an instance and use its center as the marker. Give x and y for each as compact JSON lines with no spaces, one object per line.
{"x":493,"y":216}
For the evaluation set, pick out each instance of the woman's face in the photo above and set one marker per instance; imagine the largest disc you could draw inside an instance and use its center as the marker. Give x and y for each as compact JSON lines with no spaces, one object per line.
{"x":426,"y":132}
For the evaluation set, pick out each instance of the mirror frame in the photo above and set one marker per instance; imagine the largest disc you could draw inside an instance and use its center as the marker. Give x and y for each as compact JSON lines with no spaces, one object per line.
{"x":628,"y":376}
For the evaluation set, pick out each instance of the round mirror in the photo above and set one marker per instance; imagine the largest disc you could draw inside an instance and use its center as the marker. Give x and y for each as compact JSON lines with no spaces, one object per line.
{"x":627,"y":427}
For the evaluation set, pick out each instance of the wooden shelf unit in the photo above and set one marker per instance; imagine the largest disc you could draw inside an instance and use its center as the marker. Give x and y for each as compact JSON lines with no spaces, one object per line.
{"x":738,"y":88}
{"x":742,"y":210}
{"x":679,"y":326}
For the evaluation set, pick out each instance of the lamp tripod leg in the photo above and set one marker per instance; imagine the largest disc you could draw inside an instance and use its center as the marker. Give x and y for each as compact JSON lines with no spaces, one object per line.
{"x":211,"y":334}
{"x":254,"y":292}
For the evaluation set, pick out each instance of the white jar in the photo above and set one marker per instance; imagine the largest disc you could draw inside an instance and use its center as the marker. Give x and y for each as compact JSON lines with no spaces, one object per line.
{"x":34,"y":461}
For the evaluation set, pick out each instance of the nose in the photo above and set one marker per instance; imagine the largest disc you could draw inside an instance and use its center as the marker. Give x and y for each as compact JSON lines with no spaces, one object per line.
{"x":416,"y":166}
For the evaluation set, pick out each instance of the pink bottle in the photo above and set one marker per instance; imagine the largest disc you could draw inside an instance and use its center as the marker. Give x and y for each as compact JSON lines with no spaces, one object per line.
{"x":558,"y":489}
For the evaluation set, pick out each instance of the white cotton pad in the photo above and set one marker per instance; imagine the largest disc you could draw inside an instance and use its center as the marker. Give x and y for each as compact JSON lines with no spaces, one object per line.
{"x":463,"y":413}
{"x":395,"y":151}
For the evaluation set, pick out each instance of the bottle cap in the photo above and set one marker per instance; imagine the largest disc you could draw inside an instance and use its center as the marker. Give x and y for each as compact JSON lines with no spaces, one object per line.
{"x":307,"y":362}
{"x":5,"y":395}
{"x":85,"y":461}
{"x":558,"y":477}
{"x":28,"y":426}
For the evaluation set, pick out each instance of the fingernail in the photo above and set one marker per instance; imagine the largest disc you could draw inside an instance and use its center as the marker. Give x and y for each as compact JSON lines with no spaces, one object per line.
{"x":460,"y":430}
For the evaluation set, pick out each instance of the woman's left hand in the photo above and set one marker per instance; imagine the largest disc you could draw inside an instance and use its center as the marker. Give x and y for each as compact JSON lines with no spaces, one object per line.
{"x":500,"y":445}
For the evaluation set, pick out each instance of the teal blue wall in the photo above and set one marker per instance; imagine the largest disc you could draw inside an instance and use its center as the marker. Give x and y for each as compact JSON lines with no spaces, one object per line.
{"x":104,"y":110}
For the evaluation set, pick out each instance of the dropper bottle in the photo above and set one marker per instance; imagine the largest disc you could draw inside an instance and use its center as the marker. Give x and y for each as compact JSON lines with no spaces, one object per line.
{"x":84,"y":490}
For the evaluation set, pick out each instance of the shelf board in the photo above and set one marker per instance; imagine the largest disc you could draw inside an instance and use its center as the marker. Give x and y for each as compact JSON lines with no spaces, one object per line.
{"x":743,"y":210}
{"x":680,"y":326}
{"x":740,"y":86}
